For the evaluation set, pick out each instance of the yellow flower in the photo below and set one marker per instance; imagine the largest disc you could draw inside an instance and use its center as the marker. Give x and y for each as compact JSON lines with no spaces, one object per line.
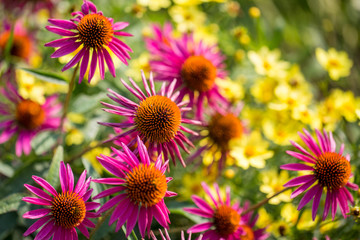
{"x":187,"y":18}
{"x":137,"y":64}
{"x":305,"y":221}
{"x":264,"y":219}
{"x":91,"y":156}
{"x":254,"y":12}
{"x":154,"y":5}
{"x":29,"y":88}
{"x":336,"y":63}
{"x":346,"y":104}
{"x":279,"y":127}
{"x":74,"y":137}
{"x":268,"y":62}
{"x":263,"y":90}
{"x":272,"y":182}
{"x":289,"y":213}
{"x":250,"y":150}
{"x":191,"y":184}
{"x":232,"y":90}
{"x":207,"y":33}
{"x":241,"y":34}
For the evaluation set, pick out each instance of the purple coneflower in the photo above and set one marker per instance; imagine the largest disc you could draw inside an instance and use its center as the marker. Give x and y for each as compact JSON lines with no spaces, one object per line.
{"x":193,"y":64}
{"x":167,"y":237}
{"x":64,"y":211}
{"x":330,"y":170}
{"x":217,"y":132}
{"x":89,"y":34}
{"x":156,"y":118}
{"x":141,"y":186}
{"x":248,"y":222}
{"x":26,"y":118}
{"x":224,"y":218}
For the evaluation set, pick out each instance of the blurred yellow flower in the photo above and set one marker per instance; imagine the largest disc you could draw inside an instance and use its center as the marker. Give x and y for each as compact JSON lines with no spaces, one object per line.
{"x":263,"y":90}
{"x":241,"y":34}
{"x":272,"y":182}
{"x":254,"y":12}
{"x":232,"y":90}
{"x":336,"y":63}
{"x":91,"y":156}
{"x":268,"y":62}
{"x":138,"y":64}
{"x":250,"y":150}
{"x":154,"y":5}
{"x":279,"y":127}
{"x":74,"y":137}
{"x":305,"y":222}
{"x":191,"y":184}
{"x":207,"y":34}
{"x":187,"y":18}
{"x":345,"y":103}
{"x":29,"y":88}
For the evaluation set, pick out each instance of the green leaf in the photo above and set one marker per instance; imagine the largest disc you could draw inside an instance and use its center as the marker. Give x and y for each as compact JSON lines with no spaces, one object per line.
{"x":53,"y":173}
{"x":11,"y":202}
{"x":46,"y":76}
{"x":84,"y":103}
{"x":96,"y":186}
{"x":6,"y":170}
{"x":44,"y":141}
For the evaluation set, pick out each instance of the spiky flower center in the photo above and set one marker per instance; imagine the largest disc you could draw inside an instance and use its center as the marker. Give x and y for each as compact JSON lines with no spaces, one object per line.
{"x":226,"y":220}
{"x":158,"y":119}
{"x":223,"y":128}
{"x":30,"y":115}
{"x":198,"y":73}
{"x":68,"y":210}
{"x":332,"y":170}
{"x":248,"y":233}
{"x":95,"y":30}
{"x":146,"y":185}
{"x":20,"y":47}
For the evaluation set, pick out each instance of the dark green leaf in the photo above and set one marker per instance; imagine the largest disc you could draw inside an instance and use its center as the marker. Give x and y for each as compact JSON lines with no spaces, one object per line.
{"x":53,"y":173}
{"x":44,"y":141}
{"x":11,"y":202}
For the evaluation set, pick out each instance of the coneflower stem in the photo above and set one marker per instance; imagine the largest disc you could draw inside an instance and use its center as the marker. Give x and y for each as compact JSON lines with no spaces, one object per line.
{"x":67,"y":101}
{"x":253,"y":207}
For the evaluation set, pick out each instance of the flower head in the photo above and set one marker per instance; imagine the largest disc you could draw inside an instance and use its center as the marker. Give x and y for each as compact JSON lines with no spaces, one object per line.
{"x":65,"y":211}
{"x":156,"y":118}
{"x":330,"y":170}
{"x":193,"y":64}
{"x":89,"y":33}
{"x":142,"y":187}
{"x":26,"y":118}
{"x":221,"y":128}
{"x":336,"y":63}
{"x":22,"y":46}
{"x":223,"y":219}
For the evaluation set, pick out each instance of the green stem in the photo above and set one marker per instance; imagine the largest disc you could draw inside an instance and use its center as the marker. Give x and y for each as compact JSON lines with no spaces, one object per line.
{"x":263,"y":202}
{"x":101,"y":221}
{"x":67,"y":101}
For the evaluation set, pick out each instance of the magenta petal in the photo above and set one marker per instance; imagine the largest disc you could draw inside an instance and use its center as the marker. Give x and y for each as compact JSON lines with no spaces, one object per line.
{"x":37,"y":225}
{"x":63,"y":177}
{"x":37,"y":201}
{"x":84,"y":65}
{"x":316,"y":202}
{"x":143,"y":221}
{"x":101,"y":63}
{"x":201,"y":227}
{"x":120,"y":25}
{"x":302,"y":188}
{"x":91,"y":205}
{"x":38,"y":192}
{"x":327,"y":205}
{"x":199,"y":212}
{"x":80,"y":182}
{"x":299,"y":180}
{"x":38,"y":213}
{"x":109,"y":204}
{"x":333,"y":203}
{"x":66,"y":49}
{"x":130,"y":224}
{"x":296,"y":167}
{"x":92,"y":68}
{"x":47,"y":229}
{"x":308,"y":196}
{"x":42,"y":182}
{"x":67,"y":24}
{"x":110,"y":181}
{"x":60,"y":31}
{"x":84,"y":230}
{"x":109,"y":62}
{"x":74,"y":60}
